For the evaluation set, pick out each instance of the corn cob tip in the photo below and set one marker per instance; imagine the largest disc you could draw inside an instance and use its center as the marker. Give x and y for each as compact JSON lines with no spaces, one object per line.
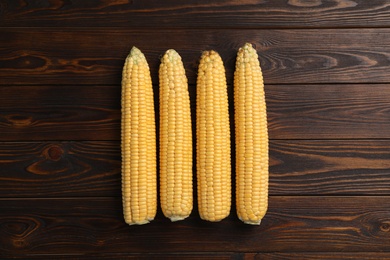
{"x":172,"y":56}
{"x":247,"y":48}
{"x":210,"y":56}
{"x":136,"y":55}
{"x":247,"y":54}
{"x":172,"y":53}
{"x":134,"y":50}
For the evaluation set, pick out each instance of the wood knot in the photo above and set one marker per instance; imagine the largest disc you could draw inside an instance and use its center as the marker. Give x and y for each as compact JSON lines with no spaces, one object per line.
{"x":305,"y":3}
{"x":52,"y":160}
{"x":19,"y":120}
{"x":19,"y":243}
{"x":54,"y":153}
{"x":385,"y":227}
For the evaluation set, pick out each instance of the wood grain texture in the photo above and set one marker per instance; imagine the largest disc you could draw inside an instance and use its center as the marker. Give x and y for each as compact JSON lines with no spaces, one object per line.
{"x":83,"y":112}
{"x":95,"y":225}
{"x":96,"y":56}
{"x":328,"y":111}
{"x":52,"y":169}
{"x":139,"y":256}
{"x":195,"y":14}
{"x":59,"y":112}
{"x":326,"y":69}
{"x":297,"y":167}
{"x":318,"y":256}
{"x":320,"y":167}
{"x":220,"y":256}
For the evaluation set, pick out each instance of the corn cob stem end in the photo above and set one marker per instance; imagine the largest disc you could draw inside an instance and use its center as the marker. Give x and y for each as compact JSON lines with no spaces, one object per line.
{"x":177,"y":218}
{"x":143,"y":222}
{"x":250,"y":222}
{"x":215,"y":219}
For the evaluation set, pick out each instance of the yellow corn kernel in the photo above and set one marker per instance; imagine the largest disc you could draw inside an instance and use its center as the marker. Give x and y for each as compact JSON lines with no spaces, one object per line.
{"x":212,"y":139}
{"x":138,"y":136}
{"x":251,"y":137}
{"x":175,"y":139}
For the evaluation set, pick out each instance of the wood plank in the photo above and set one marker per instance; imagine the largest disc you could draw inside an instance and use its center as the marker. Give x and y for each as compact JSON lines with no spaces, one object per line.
{"x":336,"y":167}
{"x":318,"y":256}
{"x":195,"y":14}
{"x":219,"y":256}
{"x":328,"y":111}
{"x":140,"y":256}
{"x":52,"y":169}
{"x":96,"y":56}
{"x":297,"y":167}
{"x":292,"y":224}
{"x":54,"y":112}
{"x":83,"y":112}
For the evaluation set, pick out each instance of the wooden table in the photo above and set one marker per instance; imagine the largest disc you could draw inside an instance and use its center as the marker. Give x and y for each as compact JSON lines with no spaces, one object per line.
{"x":326,"y":70}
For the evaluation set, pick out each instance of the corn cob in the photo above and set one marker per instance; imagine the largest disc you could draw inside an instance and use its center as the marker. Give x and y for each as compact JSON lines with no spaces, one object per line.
{"x":175,"y":139}
{"x":139,"y":187}
{"x":251,"y":137}
{"x":213,"y":139}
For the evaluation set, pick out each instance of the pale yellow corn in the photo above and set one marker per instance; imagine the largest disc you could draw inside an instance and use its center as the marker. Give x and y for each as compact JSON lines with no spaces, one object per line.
{"x":251,"y":137}
{"x":213,"y":139}
{"x":175,"y":139}
{"x":139,"y":187}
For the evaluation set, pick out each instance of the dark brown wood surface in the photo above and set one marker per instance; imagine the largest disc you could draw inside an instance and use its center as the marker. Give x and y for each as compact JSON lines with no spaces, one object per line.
{"x":195,"y":14}
{"x":292,"y":224}
{"x":326,"y":68}
{"x":92,"y":112}
{"x":96,"y":56}
{"x":92,"y":168}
